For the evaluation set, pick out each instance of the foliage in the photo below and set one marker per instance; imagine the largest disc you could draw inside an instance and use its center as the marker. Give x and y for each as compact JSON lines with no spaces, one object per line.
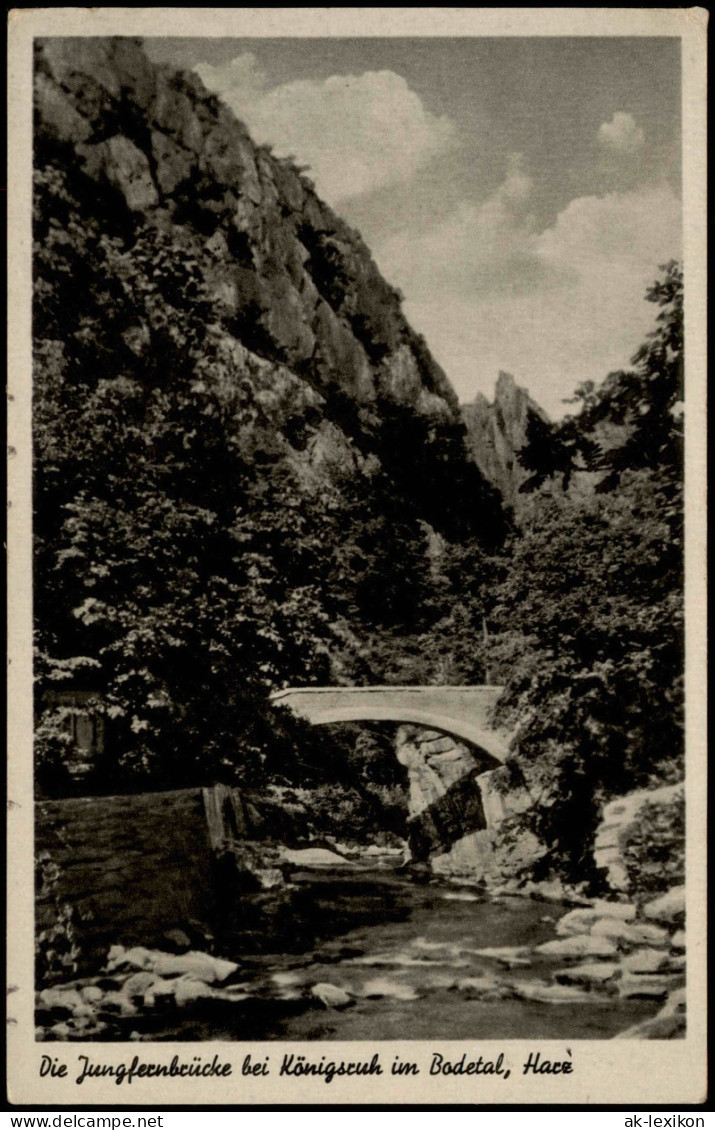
{"x":589,"y":617}
{"x":643,"y":405}
{"x":57,"y":949}
{"x":654,"y":850}
{"x":185,"y":562}
{"x":183,"y":557}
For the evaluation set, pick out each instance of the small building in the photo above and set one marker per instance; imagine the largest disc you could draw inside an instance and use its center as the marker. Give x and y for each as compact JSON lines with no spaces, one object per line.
{"x":85,"y":726}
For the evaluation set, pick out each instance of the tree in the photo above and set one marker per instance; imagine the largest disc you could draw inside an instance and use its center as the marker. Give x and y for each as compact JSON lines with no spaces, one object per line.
{"x":642,"y":405}
{"x":589,"y":615}
{"x":180,"y":558}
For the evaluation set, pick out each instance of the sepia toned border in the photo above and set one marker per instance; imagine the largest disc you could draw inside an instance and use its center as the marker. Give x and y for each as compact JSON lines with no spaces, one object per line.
{"x":610,"y":1072}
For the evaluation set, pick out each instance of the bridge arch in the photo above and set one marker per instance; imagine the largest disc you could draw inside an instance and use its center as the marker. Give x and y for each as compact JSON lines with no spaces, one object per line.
{"x":462,"y":712}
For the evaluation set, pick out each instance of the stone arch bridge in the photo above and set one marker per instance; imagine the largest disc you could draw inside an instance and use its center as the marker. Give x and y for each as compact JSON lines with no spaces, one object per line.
{"x":452,"y":751}
{"x":462,"y":712}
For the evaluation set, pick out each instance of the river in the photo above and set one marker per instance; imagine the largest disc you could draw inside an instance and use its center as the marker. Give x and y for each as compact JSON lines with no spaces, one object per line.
{"x":403,"y":954}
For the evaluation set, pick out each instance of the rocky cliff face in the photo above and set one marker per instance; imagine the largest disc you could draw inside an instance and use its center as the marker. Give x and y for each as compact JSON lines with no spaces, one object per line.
{"x":497,"y":432}
{"x":459,"y":817}
{"x":292,"y":291}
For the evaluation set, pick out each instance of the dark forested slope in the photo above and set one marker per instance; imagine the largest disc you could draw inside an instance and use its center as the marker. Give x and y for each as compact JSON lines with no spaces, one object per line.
{"x":249,"y":469}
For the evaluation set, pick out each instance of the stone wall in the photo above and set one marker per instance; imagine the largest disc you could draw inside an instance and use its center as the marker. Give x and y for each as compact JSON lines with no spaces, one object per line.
{"x":131,"y":867}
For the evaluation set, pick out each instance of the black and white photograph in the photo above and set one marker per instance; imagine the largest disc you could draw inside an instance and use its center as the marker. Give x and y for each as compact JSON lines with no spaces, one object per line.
{"x":360,"y":456}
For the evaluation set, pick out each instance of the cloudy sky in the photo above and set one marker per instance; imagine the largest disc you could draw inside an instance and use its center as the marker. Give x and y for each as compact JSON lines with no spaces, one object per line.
{"x":521,"y":192}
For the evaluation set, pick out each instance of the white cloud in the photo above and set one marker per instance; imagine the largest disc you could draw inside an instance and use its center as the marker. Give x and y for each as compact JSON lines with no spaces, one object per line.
{"x":621,"y":135}
{"x":555,"y":307}
{"x":242,"y":75}
{"x":477,"y":248}
{"x":486,"y":286}
{"x":356,"y":132}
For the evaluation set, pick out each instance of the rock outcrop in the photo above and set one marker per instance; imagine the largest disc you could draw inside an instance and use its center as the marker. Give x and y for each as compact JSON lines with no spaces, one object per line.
{"x":640,"y":842}
{"x":295,"y":302}
{"x":498,"y":431}
{"x":457,"y":810}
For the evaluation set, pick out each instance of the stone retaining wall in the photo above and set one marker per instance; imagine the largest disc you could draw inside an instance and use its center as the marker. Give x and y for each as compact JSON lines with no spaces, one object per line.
{"x":131,"y":867}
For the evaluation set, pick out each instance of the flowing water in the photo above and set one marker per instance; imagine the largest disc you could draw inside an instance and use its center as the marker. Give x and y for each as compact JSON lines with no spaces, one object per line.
{"x":404,"y":954}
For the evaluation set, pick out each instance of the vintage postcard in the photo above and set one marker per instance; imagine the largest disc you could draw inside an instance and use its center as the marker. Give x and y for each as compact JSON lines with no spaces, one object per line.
{"x":356,"y":542}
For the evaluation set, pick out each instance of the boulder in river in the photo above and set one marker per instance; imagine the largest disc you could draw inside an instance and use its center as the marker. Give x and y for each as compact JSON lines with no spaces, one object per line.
{"x":506,"y":955}
{"x":285,"y":977}
{"x":160,"y":991}
{"x":582,"y":920}
{"x":137,"y":957}
{"x":384,"y":987}
{"x":484,"y":988}
{"x":647,"y":986}
{"x":118,"y":1002}
{"x":92,"y":994}
{"x":551,"y":994}
{"x":608,"y":908}
{"x":645,"y":961}
{"x":201,"y":966}
{"x":614,"y":928}
{"x":590,"y":973}
{"x":60,"y":1000}
{"x":632,"y":933}
{"x":137,"y":984}
{"x":189,"y":990}
{"x":332,"y":996}
{"x":578,"y":945}
{"x":669,"y":907}
{"x":577,"y":921}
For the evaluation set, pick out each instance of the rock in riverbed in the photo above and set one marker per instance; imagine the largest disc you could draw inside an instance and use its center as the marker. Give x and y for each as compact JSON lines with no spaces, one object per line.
{"x":669,"y":907}
{"x":384,"y":987}
{"x":507,"y":955}
{"x":631,"y":933}
{"x":552,"y":994}
{"x":583,"y":919}
{"x":484,"y":988}
{"x":578,"y":945}
{"x":203,"y":966}
{"x":647,"y":986}
{"x":590,"y":973}
{"x":332,"y":996}
{"x":645,"y":961}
